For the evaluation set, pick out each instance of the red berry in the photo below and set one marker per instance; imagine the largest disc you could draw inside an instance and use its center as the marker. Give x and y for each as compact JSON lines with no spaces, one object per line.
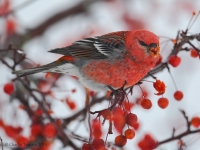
{"x":178,"y":95}
{"x":36,"y":129}
{"x":146,"y":104}
{"x":22,"y":141}
{"x":38,"y":112}
{"x":194,"y":53}
{"x":87,"y":146}
{"x":127,"y":105}
{"x":9,"y":88}
{"x":2,"y":123}
{"x":130,"y":134}
{"x":117,"y":111}
{"x":160,"y":87}
{"x":119,"y":123}
{"x":50,"y":130}
{"x":10,"y":26}
{"x":147,"y":143}
{"x":174,"y":60}
{"x":96,"y":129}
{"x":195,"y":122}
{"x":163,"y":102}
{"x":106,"y":114}
{"x":120,"y":140}
{"x":119,"y":119}
{"x":136,"y":126}
{"x":98,"y":144}
{"x":131,"y":119}
{"x":11,"y":131}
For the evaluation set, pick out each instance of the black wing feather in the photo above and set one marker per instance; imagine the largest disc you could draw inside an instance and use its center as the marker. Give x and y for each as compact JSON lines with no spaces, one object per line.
{"x":96,"y":48}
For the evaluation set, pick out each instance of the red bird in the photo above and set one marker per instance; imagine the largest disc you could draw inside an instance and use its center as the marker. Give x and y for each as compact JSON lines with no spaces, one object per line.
{"x":107,"y":60}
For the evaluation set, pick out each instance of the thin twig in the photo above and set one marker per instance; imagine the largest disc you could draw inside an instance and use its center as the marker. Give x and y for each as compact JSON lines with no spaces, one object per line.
{"x":186,"y":119}
{"x":1,"y":143}
{"x":63,"y":136}
{"x":178,"y":137}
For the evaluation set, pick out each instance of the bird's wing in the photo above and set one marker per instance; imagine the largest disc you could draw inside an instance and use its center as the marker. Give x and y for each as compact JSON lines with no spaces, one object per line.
{"x":101,"y":47}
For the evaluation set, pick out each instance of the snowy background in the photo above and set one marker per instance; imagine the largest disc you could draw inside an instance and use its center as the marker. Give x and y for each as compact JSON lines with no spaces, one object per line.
{"x":164,"y":18}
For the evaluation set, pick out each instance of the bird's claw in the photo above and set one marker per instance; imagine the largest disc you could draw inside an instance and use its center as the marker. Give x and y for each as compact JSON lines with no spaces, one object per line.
{"x":118,"y":94}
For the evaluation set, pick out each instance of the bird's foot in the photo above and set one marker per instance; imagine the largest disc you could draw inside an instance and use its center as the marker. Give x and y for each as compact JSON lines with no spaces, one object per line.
{"x":117,"y":95}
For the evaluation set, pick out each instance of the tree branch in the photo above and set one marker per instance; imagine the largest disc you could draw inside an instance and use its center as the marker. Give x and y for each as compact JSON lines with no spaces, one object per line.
{"x":80,"y":8}
{"x":178,"y":137}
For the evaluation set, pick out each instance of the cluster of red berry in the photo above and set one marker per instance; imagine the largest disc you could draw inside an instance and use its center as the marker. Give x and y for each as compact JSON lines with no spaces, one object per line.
{"x":162,"y":101}
{"x":119,"y":118}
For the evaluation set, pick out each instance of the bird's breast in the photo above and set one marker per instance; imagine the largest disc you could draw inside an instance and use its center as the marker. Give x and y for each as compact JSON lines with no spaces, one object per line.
{"x":115,"y":72}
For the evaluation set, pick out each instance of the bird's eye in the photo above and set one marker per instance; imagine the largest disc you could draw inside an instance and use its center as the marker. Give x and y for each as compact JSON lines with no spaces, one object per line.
{"x":142,"y":43}
{"x":153,"y":45}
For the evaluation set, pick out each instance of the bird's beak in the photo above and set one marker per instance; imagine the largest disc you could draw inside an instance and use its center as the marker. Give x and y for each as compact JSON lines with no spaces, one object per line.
{"x":154,"y":51}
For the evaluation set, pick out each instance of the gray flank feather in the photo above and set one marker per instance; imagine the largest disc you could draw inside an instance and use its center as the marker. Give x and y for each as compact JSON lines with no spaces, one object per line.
{"x":21,"y":73}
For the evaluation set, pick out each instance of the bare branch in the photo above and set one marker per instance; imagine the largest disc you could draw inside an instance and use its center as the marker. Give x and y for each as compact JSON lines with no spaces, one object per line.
{"x":178,"y":137}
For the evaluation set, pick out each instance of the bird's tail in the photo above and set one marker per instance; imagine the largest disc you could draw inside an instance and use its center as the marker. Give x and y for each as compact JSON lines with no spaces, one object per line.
{"x":45,"y":68}
{"x":30,"y":71}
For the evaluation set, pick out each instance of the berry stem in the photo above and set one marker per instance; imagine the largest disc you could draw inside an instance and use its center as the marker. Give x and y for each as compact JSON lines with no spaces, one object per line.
{"x":173,"y":81}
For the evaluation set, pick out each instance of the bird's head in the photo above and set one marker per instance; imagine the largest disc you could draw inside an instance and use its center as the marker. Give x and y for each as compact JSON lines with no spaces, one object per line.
{"x":143,"y":43}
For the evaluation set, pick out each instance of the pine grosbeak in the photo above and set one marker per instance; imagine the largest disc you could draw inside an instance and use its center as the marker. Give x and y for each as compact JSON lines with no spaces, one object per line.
{"x":107,"y":60}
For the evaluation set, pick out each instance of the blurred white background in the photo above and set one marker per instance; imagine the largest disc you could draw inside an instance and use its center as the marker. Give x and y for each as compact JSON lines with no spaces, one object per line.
{"x":164,"y":18}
